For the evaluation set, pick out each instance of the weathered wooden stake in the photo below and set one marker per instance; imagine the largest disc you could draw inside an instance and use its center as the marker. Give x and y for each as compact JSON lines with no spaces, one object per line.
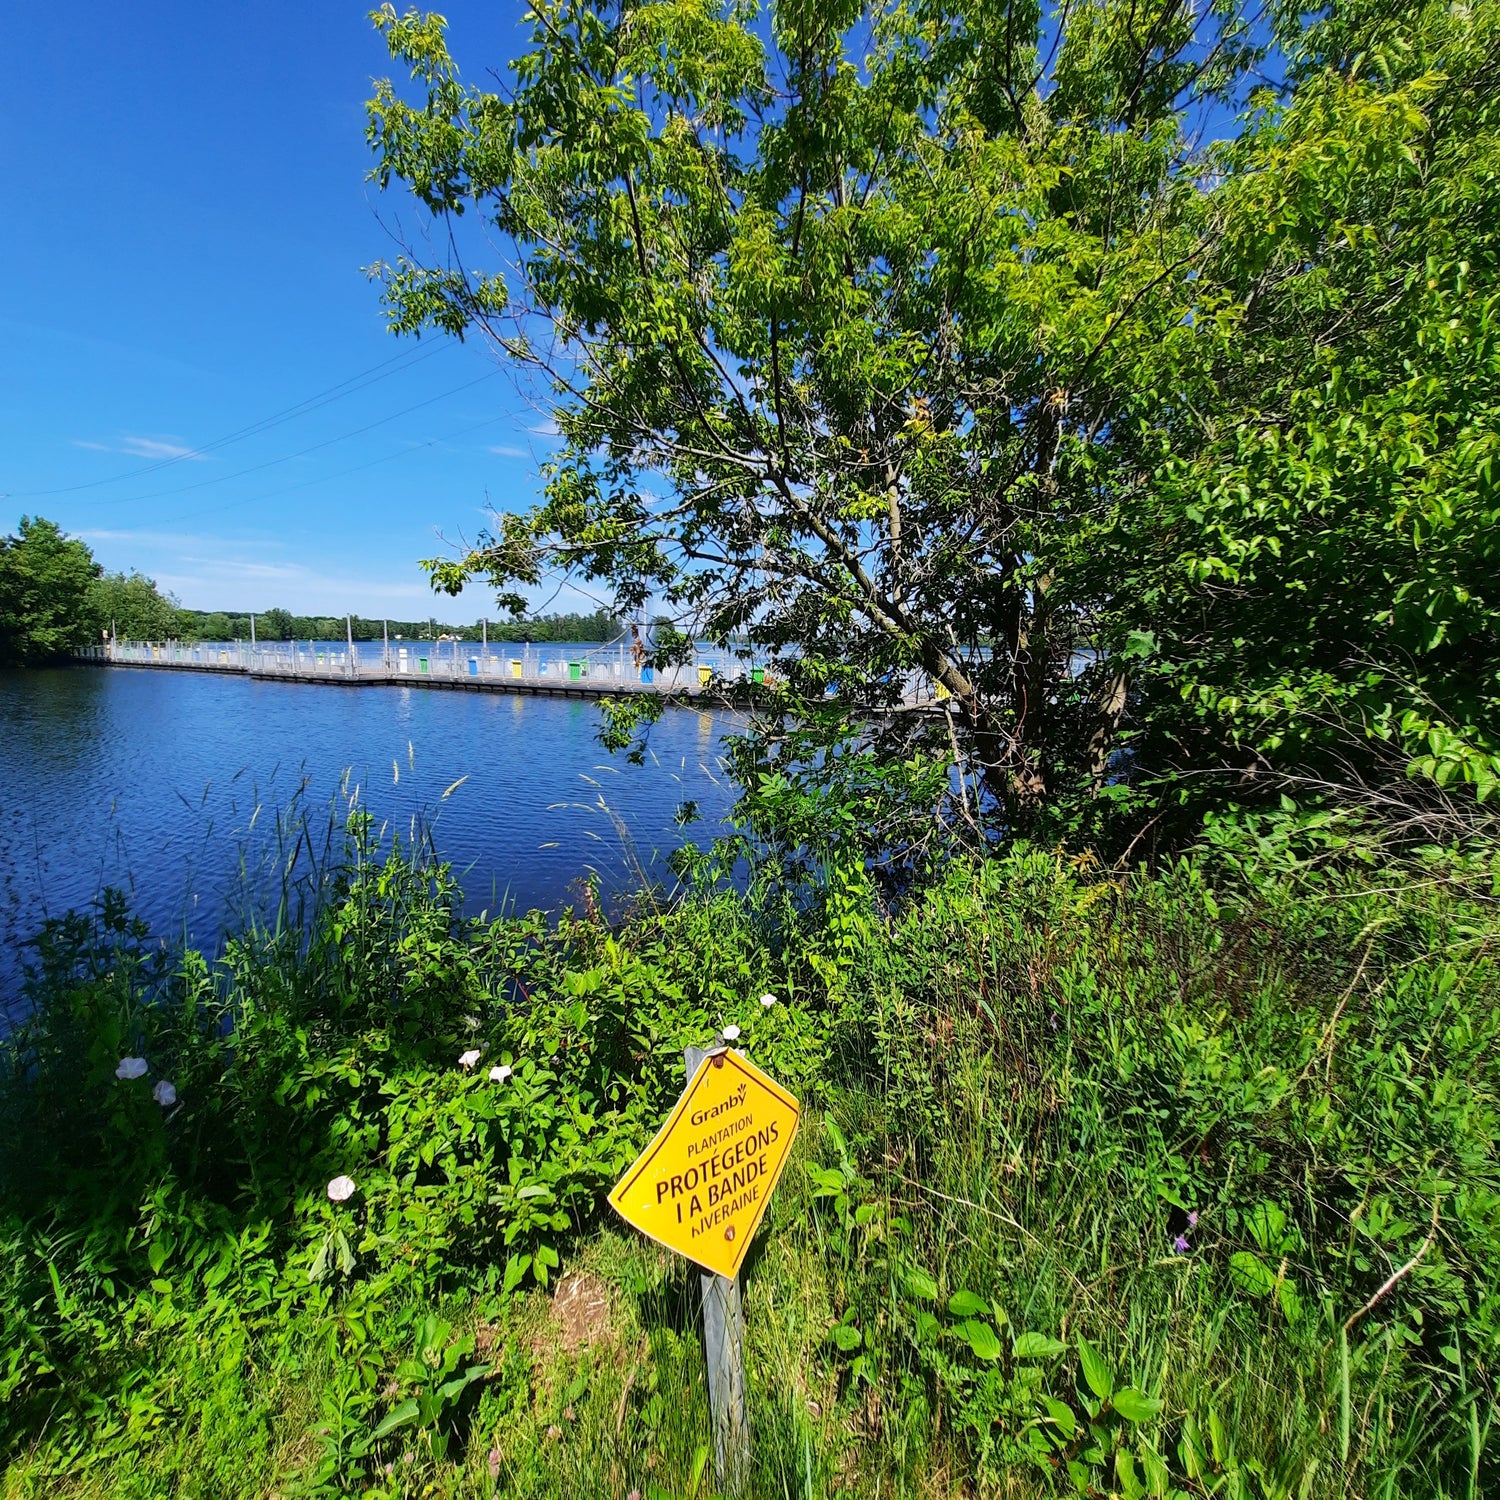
{"x":724,"y":1353}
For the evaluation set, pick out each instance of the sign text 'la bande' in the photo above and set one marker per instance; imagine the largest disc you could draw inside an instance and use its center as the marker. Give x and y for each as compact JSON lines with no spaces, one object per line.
{"x":702,"y":1185}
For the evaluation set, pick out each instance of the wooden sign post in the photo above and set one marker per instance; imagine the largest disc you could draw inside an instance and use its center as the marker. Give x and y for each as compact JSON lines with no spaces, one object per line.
{"x":701,"y":1188}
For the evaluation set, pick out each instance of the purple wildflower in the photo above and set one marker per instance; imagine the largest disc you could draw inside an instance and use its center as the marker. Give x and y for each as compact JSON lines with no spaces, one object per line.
{"x":1193,"y":1219}
{"x":1180,"y":1244}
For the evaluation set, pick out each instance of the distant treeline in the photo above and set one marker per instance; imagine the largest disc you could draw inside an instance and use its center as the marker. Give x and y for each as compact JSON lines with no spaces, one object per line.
{"x":283,"y":625}
{"x":55,"y":597}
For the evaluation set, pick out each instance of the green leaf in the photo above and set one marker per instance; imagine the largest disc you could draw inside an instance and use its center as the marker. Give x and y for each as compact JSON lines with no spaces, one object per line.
{"x":920,"y":1284}
{"x":515,"y":1271}
{"x":847,"y":1337}
{"x":925,"y":1326}
{"x":982,"y":1339}
{"x":1155,"y":1469}
{"x":1038,"y":1346}
{"x":1251,"y":1274}
{"x":1291,"y":1302}
{"x":1096,"y":1370}
{"x":402,"y":1416}
{"x":1062,"y":1415}
{"x":451,"y":1388}
{"x":968,"y":1305}
{"x":1134,"y":1405}
{"x":319,"y":1268}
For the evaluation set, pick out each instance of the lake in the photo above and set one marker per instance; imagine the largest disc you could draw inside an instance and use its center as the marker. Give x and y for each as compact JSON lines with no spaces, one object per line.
{"x":168,"y":785}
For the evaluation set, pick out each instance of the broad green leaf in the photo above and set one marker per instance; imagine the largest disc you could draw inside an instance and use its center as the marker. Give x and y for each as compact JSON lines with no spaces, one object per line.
{"x":401,"y":1416}
{"x":966,"y":1304}
{"x":920,"y":1284}
{"x":846,"y":1337}
{"x":1134,"y":1405}
{"x":1038,"y":1346}
{"x":1062,"y":1415}
{"x":982,"y":1339}
{"x":1251,"y":1274}
{"x":1096,"y":1370}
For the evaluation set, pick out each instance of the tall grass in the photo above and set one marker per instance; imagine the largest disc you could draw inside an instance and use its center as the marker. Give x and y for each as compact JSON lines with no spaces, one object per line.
{"x":1106,"y":1185}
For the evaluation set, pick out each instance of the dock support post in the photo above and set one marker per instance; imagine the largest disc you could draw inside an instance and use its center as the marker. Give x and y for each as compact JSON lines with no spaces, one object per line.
{"x":724,"y":1354}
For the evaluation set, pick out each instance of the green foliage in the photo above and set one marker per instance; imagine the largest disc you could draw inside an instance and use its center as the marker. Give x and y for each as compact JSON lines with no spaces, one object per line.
{"x":1314,"y":577}
{"x":133,"y":608}
{"x":876,"y":292}
{"x":1104,"y":1187}
{"x":439,"y":1381}
{"x":46,"y":586}
{"x":926,"y":339}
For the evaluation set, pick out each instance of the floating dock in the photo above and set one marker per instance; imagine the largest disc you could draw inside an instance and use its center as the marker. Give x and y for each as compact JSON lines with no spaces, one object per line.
{"x":607,"y":672}
{"x":599,"y":675}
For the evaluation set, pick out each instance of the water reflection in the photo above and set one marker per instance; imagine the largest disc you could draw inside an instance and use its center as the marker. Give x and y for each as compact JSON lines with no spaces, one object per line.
{"x":169,"y":784}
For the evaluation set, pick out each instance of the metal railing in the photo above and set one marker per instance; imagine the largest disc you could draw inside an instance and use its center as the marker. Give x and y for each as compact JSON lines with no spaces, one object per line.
{"x":498,"y":664}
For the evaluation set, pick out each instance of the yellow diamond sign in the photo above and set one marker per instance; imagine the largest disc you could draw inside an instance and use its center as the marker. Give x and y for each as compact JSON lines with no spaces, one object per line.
{"x":703,"y":1183}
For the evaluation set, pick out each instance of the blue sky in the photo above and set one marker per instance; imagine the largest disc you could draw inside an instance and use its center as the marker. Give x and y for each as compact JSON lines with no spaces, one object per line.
{"x":187,"y":221}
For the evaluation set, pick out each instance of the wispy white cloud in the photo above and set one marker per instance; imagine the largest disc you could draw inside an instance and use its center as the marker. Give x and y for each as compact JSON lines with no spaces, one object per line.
{"x":247,"y":572}
{"x":294,"y":575}
{"x":506,"y":452}
{"x":146,"y":537}
{"x":141,"y":447}
{"x":547,"y":428}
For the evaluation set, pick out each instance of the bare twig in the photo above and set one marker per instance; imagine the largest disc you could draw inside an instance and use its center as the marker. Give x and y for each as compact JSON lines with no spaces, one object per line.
{"x":1404,"y":1271}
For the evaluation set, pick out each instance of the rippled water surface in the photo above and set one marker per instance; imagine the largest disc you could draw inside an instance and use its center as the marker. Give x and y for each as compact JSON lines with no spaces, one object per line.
{"x":149,"y":781}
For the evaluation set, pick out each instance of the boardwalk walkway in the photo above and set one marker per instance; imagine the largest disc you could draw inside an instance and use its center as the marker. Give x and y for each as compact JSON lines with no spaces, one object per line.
{"x":596,"y":674}
{"x":553,"y":671}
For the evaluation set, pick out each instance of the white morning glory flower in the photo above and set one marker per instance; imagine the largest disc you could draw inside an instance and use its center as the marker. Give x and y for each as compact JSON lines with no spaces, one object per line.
{"x":730,"y":1033}
{"x":131,"y":1067}
{"x":500,"y":1073}
{"x":341,"y":1189}
{"x":469,"y":1058}
{"x":164,"y":1093}
{"x":767,"y":1001}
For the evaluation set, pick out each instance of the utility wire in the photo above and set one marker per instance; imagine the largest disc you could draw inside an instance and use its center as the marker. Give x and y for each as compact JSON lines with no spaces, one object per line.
{"x":271,"y":463}
{"x":385,"y":458}
{"x":395,"y":365}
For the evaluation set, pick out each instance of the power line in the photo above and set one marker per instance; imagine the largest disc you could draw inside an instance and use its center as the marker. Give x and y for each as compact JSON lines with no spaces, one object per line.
{"x":271,"y":463}
{"x":326,"y":478}
{"x":397,"y":364}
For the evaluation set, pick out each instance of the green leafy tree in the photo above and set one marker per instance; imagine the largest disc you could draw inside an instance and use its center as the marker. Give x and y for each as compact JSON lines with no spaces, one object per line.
{"x":883,"y":295}
{"x":133,"y":608}
{"x":46,"y":582}
{"x":1308,"y":595}
{"x":275,"y":625}
{"x":937,"y":340}
{"x":217,"y":627}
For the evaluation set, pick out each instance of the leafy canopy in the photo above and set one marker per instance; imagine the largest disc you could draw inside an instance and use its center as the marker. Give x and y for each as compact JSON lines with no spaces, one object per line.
{"x":1036,"y":355}
{"x":46,"y":581}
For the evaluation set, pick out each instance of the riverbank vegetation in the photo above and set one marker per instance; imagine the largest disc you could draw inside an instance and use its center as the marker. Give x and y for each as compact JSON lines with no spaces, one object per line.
{"x":1127,"y":1183}
{"x":1132,"y":373}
